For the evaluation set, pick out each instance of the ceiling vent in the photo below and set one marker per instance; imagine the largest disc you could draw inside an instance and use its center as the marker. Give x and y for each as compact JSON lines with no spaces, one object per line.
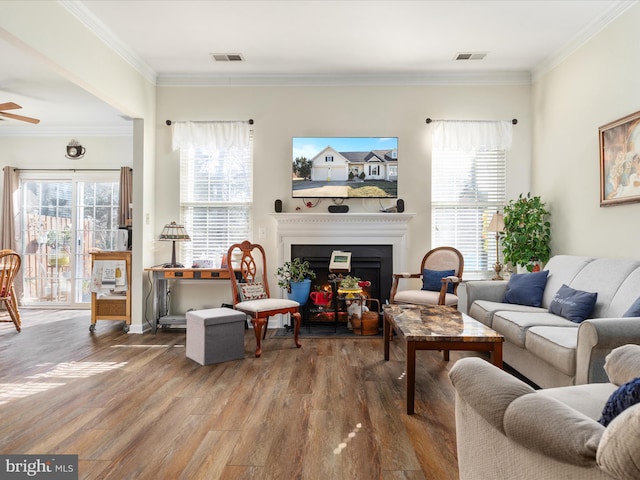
{"x":227,"y":57}
{"x":471,"y":56}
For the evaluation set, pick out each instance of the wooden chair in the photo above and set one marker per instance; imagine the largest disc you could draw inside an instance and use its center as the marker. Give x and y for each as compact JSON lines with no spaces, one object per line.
{"x":9,"y":265}
{"x":436,"y":260}
{"x":251,"y":292}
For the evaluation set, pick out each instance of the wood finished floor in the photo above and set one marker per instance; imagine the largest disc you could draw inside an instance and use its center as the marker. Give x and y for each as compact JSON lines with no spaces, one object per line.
{"x":134,"y":407}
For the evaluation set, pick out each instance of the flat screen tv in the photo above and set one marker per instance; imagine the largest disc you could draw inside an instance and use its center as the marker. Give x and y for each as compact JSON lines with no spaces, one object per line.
{"x":345,"y":167}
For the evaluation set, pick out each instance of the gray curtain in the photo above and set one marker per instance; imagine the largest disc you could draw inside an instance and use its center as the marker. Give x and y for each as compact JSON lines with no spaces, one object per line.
{"x":126,"y":195}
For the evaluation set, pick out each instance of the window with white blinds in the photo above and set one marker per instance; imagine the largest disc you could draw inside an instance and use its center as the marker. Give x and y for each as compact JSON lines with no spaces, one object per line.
{"x":467,"y":188}
{"x":216,"y":201}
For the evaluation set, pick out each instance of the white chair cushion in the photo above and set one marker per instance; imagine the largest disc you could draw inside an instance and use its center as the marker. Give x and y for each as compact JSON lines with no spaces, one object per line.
{"x":265,"y":304}
{"x":423,"y":297}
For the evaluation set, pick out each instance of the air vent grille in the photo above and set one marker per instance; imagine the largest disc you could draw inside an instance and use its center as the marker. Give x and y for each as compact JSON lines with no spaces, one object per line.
{"x":471,"y":56}
{"x":227,"y":57}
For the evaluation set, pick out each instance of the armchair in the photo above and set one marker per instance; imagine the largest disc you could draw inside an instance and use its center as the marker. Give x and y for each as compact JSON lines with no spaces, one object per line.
{"x":441,"y":273}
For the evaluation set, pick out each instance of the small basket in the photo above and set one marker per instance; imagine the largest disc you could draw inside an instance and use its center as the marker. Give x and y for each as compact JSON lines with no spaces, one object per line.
{"x":368,"y":325}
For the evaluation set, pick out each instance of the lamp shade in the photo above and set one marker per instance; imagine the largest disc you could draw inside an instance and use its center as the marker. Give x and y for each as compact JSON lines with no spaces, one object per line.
{"x":175,"y":233}
{"x":497,"y":223}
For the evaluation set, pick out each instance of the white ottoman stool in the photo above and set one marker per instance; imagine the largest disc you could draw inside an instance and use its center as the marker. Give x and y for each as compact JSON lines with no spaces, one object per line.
{"x":215,"y":335}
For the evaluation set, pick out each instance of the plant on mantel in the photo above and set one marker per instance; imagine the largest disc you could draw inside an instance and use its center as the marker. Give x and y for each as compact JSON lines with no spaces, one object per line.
{"x":527,"y":232}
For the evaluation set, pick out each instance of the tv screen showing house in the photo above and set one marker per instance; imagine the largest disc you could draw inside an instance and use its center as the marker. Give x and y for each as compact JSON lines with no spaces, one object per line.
{"x":345,"y":167}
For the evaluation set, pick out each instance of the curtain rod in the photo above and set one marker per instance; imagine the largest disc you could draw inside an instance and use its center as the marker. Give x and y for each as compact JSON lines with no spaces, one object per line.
{"x":514,"y":121}
{"x":250,"y":121}
{"x":68,"y":169}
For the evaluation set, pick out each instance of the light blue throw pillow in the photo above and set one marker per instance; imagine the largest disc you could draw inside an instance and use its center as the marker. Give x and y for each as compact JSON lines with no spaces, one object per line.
{"x":432,"y":279}
{"x":572,"y":304}
{"x":526,"y":288}
{"x":634,"y":309}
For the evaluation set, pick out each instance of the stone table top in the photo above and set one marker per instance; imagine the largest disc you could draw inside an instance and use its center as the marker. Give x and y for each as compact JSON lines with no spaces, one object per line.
{"x":436,"y":323}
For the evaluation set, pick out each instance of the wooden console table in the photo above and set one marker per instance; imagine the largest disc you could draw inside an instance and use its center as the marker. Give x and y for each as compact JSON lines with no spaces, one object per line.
{"x":162,"y":277}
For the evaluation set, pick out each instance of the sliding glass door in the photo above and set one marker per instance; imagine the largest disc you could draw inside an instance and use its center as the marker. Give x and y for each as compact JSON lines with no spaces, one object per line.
{"x":61,"y":220}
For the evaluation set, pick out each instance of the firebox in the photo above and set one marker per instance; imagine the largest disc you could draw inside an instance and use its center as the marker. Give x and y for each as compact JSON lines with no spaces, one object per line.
{"x":368,"y":262}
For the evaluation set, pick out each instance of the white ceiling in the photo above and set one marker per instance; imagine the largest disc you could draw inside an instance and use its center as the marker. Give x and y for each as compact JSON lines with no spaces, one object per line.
{"x":306,"y":42}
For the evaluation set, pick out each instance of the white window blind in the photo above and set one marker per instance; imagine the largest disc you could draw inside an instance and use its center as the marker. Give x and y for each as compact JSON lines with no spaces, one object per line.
{"x":216,"y":200}
{"x":467,"y":189}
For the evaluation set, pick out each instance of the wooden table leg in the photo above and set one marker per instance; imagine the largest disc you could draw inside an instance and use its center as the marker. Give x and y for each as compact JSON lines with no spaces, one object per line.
{"x":496,"y":354}
{"x":411,"y":376}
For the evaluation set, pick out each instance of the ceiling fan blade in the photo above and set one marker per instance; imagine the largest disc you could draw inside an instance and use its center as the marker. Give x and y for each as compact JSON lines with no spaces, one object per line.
{"x":9,"y":106}
{"x":20,"y":117}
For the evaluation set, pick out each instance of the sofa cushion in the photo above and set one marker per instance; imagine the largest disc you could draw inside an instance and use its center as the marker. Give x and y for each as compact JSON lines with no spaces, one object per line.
{"x":432,"y":279}
{"x":514,"y":325}
{"x":587,"y":398}
{"x":526,"y":288}
{"x":634,"y":309}
{"x":562,"y":269}
{"x":555,"y":345}
{"x":618,"y":451}
{"x":572,"y":304}
{"x":624,"y":397}
{"x":424,"y":297}
{"x":483,"y":310}
{"x":625,"y":295}
{"x":622,"y":364}
{"x":608,"y":276}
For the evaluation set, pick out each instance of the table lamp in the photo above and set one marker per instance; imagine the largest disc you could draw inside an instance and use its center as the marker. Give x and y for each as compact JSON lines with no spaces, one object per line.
{"x":497,"y":225}
{"x":175,"y":233}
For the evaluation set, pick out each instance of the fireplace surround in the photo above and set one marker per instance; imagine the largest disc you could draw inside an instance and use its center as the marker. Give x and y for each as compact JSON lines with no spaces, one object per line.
{"x":344,"y":230}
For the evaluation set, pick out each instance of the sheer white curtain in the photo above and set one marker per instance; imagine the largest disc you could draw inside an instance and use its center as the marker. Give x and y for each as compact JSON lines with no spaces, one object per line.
{"x":216,"y":186}
{"x":210,"y":135}
{"x":471,"y":135}
{"x":468,"y":185}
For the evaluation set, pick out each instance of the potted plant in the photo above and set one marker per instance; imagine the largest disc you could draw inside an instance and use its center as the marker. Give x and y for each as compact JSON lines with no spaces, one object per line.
{"x":527,"y":232}
{"x":295,"y":276}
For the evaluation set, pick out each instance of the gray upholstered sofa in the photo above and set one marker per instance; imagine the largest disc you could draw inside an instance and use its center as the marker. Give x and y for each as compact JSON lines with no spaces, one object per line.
{"x":548,"y":349}
{"x":506,"y":430}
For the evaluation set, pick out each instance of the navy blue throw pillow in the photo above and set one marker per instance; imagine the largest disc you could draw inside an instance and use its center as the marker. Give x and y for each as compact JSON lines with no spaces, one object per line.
{"x":634,"y":309}
{"x":432,"y":279}
{"x":624,"y":397}
{"x":526,"y":288}
{"x":574,"y":305}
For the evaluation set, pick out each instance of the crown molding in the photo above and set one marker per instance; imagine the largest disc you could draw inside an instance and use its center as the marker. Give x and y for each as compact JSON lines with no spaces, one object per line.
{"x":38,"y":131}
{"x":580,"y":39}
{"x":89,"y":20}
{"x":439,"y":78}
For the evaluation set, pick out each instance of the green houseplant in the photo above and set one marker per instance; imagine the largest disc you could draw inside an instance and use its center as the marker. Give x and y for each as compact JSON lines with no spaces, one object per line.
{"x":295,"y":276}
{"x":527,"y":232}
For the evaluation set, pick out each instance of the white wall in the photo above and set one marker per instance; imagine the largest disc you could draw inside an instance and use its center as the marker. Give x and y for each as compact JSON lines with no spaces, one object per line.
{"x":49,"y":152}
{"x":283,"y":112}
{"x":596,"y":85}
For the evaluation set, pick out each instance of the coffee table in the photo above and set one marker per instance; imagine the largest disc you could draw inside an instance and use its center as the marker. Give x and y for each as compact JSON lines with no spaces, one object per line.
{"x":436,"y":327}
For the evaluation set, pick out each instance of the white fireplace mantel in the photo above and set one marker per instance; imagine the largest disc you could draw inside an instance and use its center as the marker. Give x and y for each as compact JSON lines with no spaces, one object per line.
{"x":344,"y":229}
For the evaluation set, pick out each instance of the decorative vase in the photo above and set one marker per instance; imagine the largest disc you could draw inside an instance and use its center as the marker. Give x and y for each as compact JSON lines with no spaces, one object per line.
{"x":300,"y":291}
